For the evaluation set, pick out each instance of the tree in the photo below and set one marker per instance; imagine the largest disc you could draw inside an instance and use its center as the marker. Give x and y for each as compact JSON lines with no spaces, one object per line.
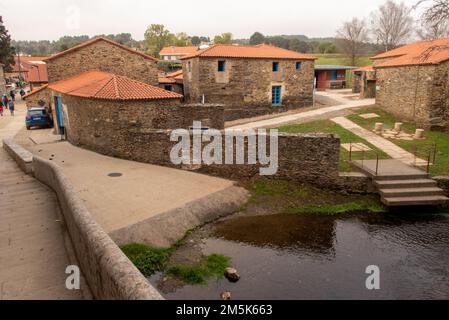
{"x":156,"y":38}
{"x":327,"y":47}
{"x":224,"y":38}
{"x":7,"y":51}
{"x":196,"y":41}
{"x":436,"y":13}
{"x":433,"y":31}
{"x":350,"y":38}
{"x":279,"y":41}
{"x":298,"y":45}
{"x":392,"y":24}
{"x":257,"y":38}
{"x":182,"y":40}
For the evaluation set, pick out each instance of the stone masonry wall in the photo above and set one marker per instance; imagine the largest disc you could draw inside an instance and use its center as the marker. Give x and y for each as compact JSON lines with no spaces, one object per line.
{"x":43,"y":95}
{"x":2,"y":81}
{"x":439,"y":107}
{"x":246,"y":85}
{"x":103,"y":125}
{"x":406,"y":92}
{"x":106,"y":57}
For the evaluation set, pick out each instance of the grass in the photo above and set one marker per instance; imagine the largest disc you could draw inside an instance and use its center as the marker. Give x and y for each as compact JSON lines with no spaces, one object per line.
{"x":339,"y":59}
{"x":441,"y":139}
{"x":334,"y":209}
{"x":147,"y":259}
{"x":150,"y":260}
{"x":278,"y":188}
{"x":212,"y":266}
{"x":327,"y":126}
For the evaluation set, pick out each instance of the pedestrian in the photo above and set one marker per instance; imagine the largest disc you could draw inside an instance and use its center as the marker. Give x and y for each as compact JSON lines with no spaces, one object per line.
{"x":12,"y":94}
{"x":5,"y":101}
{"x":1,"y":109}
{"x":22,"y":93}
{"x":11,"y":107}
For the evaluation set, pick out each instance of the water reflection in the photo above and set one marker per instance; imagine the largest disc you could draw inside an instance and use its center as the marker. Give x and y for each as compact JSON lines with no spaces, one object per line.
{"x":310,"y":257}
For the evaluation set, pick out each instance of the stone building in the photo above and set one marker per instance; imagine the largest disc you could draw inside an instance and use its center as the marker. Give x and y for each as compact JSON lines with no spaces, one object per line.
{"x":2,"y":81}
{"x":331,"y":76}
{"x":172,"y":82}
{"x":364,"y":82}
{"x":104,"y":55}
{"x":249,"y":80}
{"x":174,"y":54}
{"x":413,"y":82}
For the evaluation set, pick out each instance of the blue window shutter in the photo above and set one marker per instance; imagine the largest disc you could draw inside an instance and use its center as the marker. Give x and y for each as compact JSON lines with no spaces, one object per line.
{"x":276,"y":95}
{"x":275,"y":66}
{"x":221,"y":66}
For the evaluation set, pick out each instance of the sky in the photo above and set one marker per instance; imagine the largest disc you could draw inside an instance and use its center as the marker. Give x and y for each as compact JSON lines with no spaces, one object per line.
{"x":51,"y":19}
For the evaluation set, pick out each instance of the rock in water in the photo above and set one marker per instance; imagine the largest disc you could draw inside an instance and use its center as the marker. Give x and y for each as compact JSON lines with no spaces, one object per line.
{"x":226,"y":295}
{"x":231,"y":274}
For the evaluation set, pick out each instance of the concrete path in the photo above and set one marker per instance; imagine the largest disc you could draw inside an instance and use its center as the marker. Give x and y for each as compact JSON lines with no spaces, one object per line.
{"x":141,"y":192}
{"x":33,"y":256}
{"x":383,"y":144}
{"x":342,"y":103}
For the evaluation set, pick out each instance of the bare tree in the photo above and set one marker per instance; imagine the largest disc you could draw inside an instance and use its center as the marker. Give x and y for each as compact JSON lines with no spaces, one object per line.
{"x":392,"y":24}
{"x":436,"y":13}
{"x":350,"y":38}
{"x":430,"y":31}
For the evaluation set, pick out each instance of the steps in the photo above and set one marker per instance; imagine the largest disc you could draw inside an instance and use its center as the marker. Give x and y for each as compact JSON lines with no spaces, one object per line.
{"x":409,"y":192}
{"x":401,"y":185}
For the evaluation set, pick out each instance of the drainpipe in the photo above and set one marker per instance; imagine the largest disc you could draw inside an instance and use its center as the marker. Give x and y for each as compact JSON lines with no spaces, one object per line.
{"x":416,"y":93}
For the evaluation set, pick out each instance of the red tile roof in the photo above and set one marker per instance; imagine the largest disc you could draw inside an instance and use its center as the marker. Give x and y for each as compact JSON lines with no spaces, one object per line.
{"x":419,"y":53}
{"x":108,"y":86}
{"x":38,"y":73}
{"x":178,"y":50}
{"x":172,"y":77}
{"x":95,"y":40}
{"x":255,"y":52}
{"x":35,"y":91}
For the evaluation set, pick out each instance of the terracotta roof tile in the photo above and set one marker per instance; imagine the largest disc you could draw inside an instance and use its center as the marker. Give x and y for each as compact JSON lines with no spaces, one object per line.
{"x":92,"y":41}
{"x":108,"y":86}
{"x":172,"y":77}
{"x":418,"y":53}
{"x":255,"y":52}
{"x":367,"y":68}
{"x":38,"y":73}
{"x":178,"y":50}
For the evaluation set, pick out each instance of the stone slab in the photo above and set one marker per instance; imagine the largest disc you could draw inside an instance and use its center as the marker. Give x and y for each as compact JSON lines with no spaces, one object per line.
{"x":355,"y":147}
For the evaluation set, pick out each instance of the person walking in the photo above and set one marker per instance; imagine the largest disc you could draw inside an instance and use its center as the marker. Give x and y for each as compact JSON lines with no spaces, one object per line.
{"x":1,"y":109}
{"x":5,"y":101}
{"x":12,"y":94}
{"x":11,"y":107}
{"x":22,"y":93}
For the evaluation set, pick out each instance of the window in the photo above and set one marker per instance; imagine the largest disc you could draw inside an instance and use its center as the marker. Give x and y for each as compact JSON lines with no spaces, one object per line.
{"x":221,"y":66}
{"x":277,"y":95}
{"x":168,"y":87}
{"x":298,"y":65}
{"x":189,"y":66}
{"x":275,"y":66}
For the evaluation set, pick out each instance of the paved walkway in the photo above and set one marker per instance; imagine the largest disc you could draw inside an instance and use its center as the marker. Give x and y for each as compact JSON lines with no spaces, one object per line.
{"x":141,"y":192}
{"x":383,"y":144}
{"x":33,"y":257}
{"x":342,"y":103}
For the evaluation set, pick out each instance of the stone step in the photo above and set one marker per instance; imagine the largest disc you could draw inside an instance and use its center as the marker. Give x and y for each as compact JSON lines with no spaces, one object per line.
{"x":402,"y":177}
{"x":418,"y":183}
{"x":411,"y":192}
{"x":415,"y":201}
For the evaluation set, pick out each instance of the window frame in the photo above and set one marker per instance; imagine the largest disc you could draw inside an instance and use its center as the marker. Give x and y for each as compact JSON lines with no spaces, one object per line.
{"x":276,"y":97}
{"x":221,"y":66}
{"x":275,"y":66}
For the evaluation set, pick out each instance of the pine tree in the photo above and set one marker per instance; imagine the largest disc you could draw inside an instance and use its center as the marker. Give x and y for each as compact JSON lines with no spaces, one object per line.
{"x":7,"y":52}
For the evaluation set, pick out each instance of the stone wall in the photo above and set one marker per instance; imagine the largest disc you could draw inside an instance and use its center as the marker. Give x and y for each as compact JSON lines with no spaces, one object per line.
{"x":106,"y":57}
{"x":246,"y":85}
{"x":104,"y":125}
{"x":406,"y":92}
{"x":43,"y":95}
{"x":416,"y":93}
{"x":2,"y":81}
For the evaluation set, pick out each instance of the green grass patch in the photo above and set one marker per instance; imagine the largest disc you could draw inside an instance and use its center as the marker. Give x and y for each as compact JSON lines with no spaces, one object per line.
{"x":334,"y":209}
{"x":278,"y":188}
{"x":327,"y":126}
{"x":212,"y":266}
{"x":421,"y":147}
{"x":338,"y":59}
{"x":147,"y":259}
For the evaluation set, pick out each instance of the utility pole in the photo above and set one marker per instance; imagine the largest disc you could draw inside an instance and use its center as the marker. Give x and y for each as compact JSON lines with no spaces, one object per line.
{"x":20,"y":67}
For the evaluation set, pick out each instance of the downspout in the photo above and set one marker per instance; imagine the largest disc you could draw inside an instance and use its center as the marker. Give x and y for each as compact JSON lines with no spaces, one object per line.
{"x":416,"y":93}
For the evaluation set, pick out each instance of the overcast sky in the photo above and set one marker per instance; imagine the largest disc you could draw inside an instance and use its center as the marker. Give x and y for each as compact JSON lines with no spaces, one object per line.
{"x":51,"y":19}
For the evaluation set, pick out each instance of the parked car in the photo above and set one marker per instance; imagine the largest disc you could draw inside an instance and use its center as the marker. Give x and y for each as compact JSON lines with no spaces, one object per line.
{"x":39,"y":117}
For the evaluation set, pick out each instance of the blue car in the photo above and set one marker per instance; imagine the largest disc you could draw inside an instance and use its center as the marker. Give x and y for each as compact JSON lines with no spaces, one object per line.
{"x":38,"y":117}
